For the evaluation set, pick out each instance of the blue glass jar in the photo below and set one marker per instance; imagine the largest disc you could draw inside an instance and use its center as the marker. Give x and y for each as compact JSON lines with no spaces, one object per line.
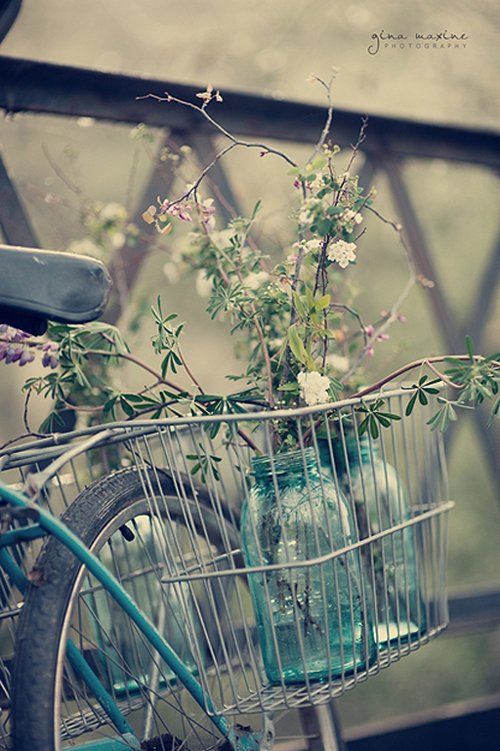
{"x":380,"y":503}
{"x":311,"y":620}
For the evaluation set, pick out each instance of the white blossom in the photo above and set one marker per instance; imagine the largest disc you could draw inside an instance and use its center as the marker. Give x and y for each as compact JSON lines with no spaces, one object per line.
{"x":256,"y":279}
{"x":313,"y":388}
{"x":304,"y":216}
{"x":113,"y":212}
{"x":311,"y":245}
{"x":118,"y":239}
{"x":203,"y":284}
{"x":318,"y":183}
{"x":351,"y":216}
{"x":339,"y":362}
{"x":171,"y":272}
{"x":307,"y":208}
{"x":342,"y":252}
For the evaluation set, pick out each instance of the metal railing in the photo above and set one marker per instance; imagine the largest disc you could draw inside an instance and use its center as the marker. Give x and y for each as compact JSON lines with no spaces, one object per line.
{"x":39,"y":87}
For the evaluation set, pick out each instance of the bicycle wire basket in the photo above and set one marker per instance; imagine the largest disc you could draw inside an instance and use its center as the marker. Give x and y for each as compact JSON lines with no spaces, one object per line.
{"x":361,"y":588}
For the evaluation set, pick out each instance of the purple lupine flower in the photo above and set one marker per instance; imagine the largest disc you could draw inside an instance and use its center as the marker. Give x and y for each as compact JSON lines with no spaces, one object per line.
{"x":18,"y":353}
{"x":19,"y":335}
{"x":49,"y":359}
{"x":9,"y":354}
{"x":50,"y":347}
{"x":26,"y":357}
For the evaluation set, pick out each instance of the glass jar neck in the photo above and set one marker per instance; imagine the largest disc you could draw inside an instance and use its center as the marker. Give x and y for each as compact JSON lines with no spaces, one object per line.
{"x":295,"y":463}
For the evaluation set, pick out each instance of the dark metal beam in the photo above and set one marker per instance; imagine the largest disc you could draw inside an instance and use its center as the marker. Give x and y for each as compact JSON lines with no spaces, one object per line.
{"x":33,"y":86}
{"x":420,"y":252}
{"x":14,"y":221}
{"x":474,"y":611}
{"x":485,"y":298}
{"x":464,"y":726}
{"x":9,"y":10}
{"x":127,"y":261}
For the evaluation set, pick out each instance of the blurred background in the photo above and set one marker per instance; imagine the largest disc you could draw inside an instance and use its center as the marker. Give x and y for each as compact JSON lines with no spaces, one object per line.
{"x":63,"y":166}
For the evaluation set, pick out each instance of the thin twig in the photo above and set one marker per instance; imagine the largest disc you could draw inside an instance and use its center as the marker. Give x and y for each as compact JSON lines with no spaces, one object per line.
{"x":425,"y":361}
{"x":265,"y":149}
{"x":395,"y":310}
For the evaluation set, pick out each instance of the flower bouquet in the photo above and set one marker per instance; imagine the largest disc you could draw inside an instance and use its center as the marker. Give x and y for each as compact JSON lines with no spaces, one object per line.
{"x":326,"y":601}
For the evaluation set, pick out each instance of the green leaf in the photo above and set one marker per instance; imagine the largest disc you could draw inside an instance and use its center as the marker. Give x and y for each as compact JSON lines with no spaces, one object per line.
{"x":322,"y":303}
{"x":362,"y":427}
{"x":256,"y":209}
{"x":324,"y":227}
{"x":127,"y":408}
{"x":296,"y":345}
{"x":299,"y":305}
{"x":309,"y":299}
{"x":470,"y":348}
{"x":411,"y":404}
{"x":494,"y":412}
{"x":441,"y":419}
{"x":319,"y":163}
{"x":422,"y":398}
{"x":291,"y":387}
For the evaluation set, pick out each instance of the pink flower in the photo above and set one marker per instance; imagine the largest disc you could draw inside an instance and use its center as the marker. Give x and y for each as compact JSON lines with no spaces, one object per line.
{"x":369,"y":330}
{"x":207,"y":211}
{"x":370,"y":352}
{"x":177,"y":209}
{"x":382,"y":337}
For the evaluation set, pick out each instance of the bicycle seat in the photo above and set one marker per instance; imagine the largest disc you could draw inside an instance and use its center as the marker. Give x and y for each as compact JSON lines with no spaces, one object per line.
{"x":39,"y":285}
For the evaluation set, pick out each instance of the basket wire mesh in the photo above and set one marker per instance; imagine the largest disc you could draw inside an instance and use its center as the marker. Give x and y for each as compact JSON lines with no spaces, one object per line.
{"x":394,"y":485}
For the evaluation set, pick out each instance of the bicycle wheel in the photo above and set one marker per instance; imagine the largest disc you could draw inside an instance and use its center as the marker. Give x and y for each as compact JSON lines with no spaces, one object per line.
{"x":144,"y":527}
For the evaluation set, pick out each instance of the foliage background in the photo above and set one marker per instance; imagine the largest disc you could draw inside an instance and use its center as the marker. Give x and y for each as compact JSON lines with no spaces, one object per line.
{"x":270,"y":47}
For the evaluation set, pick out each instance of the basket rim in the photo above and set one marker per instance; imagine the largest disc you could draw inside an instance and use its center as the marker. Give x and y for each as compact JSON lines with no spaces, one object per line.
{"x":117,"y":430}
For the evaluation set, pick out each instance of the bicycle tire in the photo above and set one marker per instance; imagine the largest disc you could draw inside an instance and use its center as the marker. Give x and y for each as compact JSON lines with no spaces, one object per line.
{"x":97,"y":516}
{"x":43,"y":719}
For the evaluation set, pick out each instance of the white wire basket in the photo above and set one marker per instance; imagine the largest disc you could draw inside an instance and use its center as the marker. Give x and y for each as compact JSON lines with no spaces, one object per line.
{"x":269,"y":615}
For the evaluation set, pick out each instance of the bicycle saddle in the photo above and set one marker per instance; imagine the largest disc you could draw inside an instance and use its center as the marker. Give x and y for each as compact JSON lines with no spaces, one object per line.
{"x":40,"y":285}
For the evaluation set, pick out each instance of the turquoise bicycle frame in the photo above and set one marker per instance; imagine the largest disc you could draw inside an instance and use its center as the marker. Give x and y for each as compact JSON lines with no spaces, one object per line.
{"x":47,"y":524}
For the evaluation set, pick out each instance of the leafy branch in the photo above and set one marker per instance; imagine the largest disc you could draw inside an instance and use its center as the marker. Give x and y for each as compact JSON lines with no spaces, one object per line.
{"x":294,"y":319}
{"x":375,"y":417}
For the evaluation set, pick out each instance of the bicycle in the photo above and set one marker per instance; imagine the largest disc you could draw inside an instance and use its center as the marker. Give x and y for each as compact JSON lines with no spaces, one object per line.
{"x":139,"y":616}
